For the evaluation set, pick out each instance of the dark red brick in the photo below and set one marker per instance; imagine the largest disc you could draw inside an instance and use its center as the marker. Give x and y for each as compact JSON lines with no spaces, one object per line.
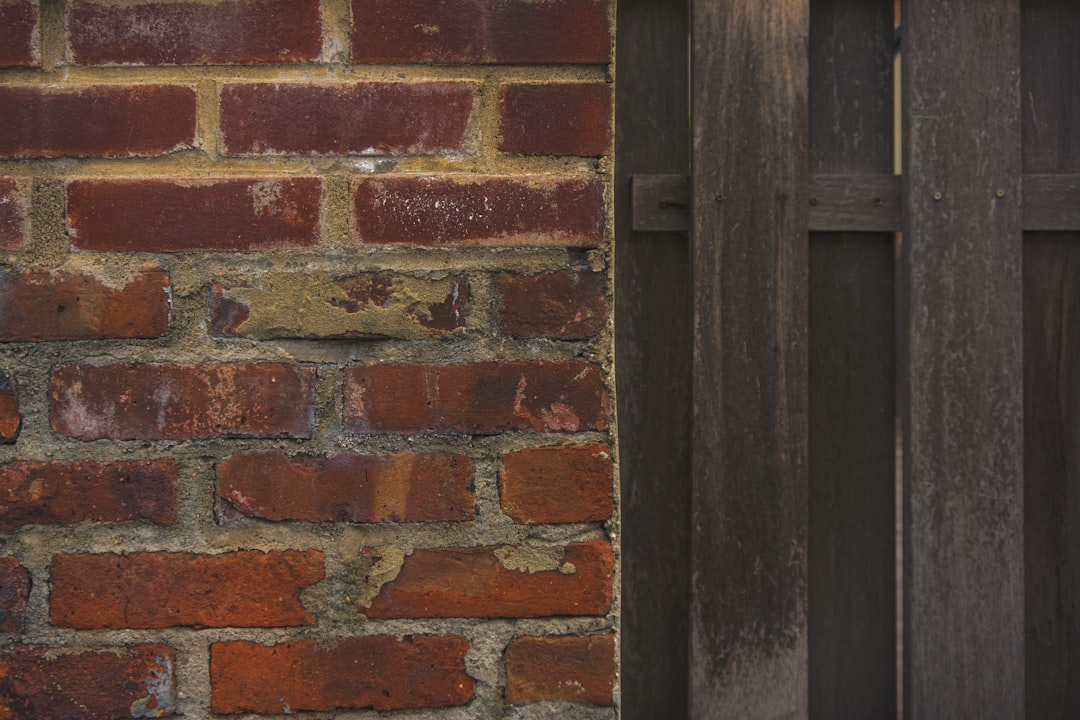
{"x":152,"y":402}
{"x":499,"y":582}
{"x":313,"y":304}
{"x":476,"y":398}
{"x":67,"y":683}
{"x":159,"y":215}
{"x":402,"y":487}
{"x":19,"y":39}
{"x":157,"y":589}
{"x":66,"y":493}
{"x":61,"y":305}
{"x":10,"y":419}
{"x":377,"y":672}
{"x":13,"y":213}
{"x":366,"y":118}
{"x":572,"y":669}
{"x":480,"y":31}
{"x":562,"y":119}
{"x":14,"y":592}
{"x":199,"y":33}
{"x":561,"y":211}
{"x":568,"y":305}
{"x":95,"y":120}
{"x":558,"y":484}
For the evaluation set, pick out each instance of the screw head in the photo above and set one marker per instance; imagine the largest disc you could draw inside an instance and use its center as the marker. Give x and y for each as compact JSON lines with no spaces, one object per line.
{"x":1000,"y":192}
{"x":937,"y":195}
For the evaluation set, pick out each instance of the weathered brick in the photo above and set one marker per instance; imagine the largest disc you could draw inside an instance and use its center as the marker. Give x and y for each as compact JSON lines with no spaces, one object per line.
{"x":480,"y":31}
{"x":486,"y":211}
{"x":19,"y":39}
{"x":66,"y":493}
{"x":164,"y":215}
{"x":66,"y":683}
{"x":401,"y":487}
{"x":377,"y":672}
{"x":10,"y":418}
{"x":157,"y":589}
{"x":95,"y":120}
{"x":556,"y":119}
{"x":14,"y":592}
{"x":365,"y":118}
{"x":508,"y":581}
{"x":558,"y":484}
{"x":13,"y":213}
{"x":45,"y":304}
{"x":315,"y":304}
{"x":151,"y":402}
{"x":185,"y":33}
{"x":573,"y":669}
{"x":568,"y":305}
{"x":476,"y":398}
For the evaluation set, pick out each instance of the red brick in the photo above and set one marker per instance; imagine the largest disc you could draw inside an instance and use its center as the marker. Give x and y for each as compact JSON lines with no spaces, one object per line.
{"x":19,"y":39}
{"x":476,"y":398}
{"x":66,"y":493}
{"x":66,"y":683}
{"x":480,"y":31}
{"x":566,"y":211}
{"x":402,"y":487}
{"x":377,"y":672}
{"x":573,"y":669}
{"x":14,"y":592}
{"x":312,"y":304}
{"x":157,"y":590}
{"x":366,"y":118}
{"x":10,"y":419}
{"x":499,"y":582}
{"x":160,"y":215}
{"x":43,"y":304}
{"x":186,"y":33}
{"x":152,"y":402}
{"x":568,"y":305}
{"x":13,"y":212}
{"x":562,"y":119}
{"x":558,"y":484}
{"x":95,"y":120}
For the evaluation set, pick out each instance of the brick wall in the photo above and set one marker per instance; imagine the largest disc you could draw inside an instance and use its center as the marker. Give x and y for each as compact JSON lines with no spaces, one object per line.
{"x":305,"y":359}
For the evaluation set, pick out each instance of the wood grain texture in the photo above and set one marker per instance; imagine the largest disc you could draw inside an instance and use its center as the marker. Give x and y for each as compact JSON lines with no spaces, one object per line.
{"x":963,"y":409}
{"x":749,"y":258}
{"x":652,"y":345}
{"x":852,"y":349}
{"x":1051,"y":136}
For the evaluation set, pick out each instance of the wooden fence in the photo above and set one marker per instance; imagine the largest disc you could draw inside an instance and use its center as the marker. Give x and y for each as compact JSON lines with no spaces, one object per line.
{"x":823,"y":303}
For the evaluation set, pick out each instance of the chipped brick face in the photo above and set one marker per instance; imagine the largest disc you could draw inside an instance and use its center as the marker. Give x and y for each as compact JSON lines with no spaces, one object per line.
{"x":306,"y":358}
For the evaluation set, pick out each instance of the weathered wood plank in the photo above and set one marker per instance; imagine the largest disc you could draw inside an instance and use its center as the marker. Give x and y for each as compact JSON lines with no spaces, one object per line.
{"x":661,"y":202}
{"x":749,"y":260}
{"x":855,"y":203}
{"x":1052,"y":202}
{"x":1051,"y":132}
{"x":852,"y":351}
{"x":963,"y":406}
{"x":652,"y":344}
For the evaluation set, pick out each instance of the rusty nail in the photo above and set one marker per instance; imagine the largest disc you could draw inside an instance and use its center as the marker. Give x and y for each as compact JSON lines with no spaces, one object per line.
{"x":720,"y":197}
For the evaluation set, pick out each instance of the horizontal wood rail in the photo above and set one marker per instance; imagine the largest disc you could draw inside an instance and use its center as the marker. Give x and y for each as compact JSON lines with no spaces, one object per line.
{"x":852,"y":203}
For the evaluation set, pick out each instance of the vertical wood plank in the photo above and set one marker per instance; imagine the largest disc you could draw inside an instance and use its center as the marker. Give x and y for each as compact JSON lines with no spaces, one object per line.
{"x":852,"y":349}
{"x":1051,"y":133}
{"x":963,"y":407}
{"x":652,"y":346}
{"x":749,"y":264}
